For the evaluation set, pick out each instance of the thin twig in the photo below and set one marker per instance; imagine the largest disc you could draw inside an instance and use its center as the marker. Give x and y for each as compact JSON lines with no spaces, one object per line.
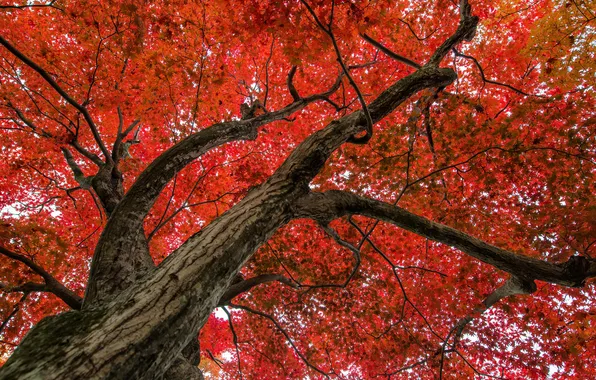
{"x":48,"y":78}
{"x":283,"y":331}
{"x":329,"y":31}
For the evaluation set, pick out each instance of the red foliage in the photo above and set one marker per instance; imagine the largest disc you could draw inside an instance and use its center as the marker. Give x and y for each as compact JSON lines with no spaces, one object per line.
{"x":509,"y":159}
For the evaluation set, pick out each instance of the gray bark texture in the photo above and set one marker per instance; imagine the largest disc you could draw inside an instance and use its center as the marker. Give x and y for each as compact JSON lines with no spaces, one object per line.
{"x":139,"y":321}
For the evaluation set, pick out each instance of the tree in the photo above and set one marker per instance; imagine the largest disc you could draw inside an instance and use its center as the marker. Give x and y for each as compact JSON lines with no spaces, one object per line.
{"x":363,"y":188}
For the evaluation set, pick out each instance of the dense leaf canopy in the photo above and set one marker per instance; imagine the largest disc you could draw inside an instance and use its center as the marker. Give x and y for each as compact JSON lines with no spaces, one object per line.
{"x":506,"y":153}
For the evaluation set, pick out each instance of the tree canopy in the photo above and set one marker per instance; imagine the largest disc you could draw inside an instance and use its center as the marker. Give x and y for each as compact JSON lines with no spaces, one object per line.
{"x":314,"y":188}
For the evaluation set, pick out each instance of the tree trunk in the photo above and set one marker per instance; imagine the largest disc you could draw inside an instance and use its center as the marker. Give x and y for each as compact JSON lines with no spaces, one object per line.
{"x":124,"y":339}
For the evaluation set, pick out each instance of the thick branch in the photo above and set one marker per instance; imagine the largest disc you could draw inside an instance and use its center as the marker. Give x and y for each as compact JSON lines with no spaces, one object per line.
{"x":27,"y":287}
{"x":181,"y":369}
{"x":307,"y":160}
{"x":107,"y":183}
{"x":125,"y":338}
{"x":52,"y":285}
{"x":389,"y":52}
{"x":79,"y":176}
{"x":27,"y":261}
{"x":122,"y":250}
{"x":333,"y":204}
{"x":511,"y":287}
{"x":290,"y":83}
{"x":245,"y":285}
{"x":465,"y":32}
{"x":26,"y":6}
{"x":90,"y":156}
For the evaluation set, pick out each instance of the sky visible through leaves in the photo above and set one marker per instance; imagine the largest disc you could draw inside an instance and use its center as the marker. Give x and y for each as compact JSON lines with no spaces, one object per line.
{"x":507,"y":154}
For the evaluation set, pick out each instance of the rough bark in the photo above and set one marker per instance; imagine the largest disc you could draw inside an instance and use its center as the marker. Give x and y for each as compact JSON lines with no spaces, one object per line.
{"x":123,"y":339}
{"x":139,"y":321}
{"x":117,"y":335}
{"x":107,"y":184}
{"x":123,"y":236}
{"x":181,"y":369}
{"x":121,"y":256}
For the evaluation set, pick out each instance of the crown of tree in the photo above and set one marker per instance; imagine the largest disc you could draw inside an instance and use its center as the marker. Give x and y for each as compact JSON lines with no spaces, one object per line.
{"x":297,"y":189}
